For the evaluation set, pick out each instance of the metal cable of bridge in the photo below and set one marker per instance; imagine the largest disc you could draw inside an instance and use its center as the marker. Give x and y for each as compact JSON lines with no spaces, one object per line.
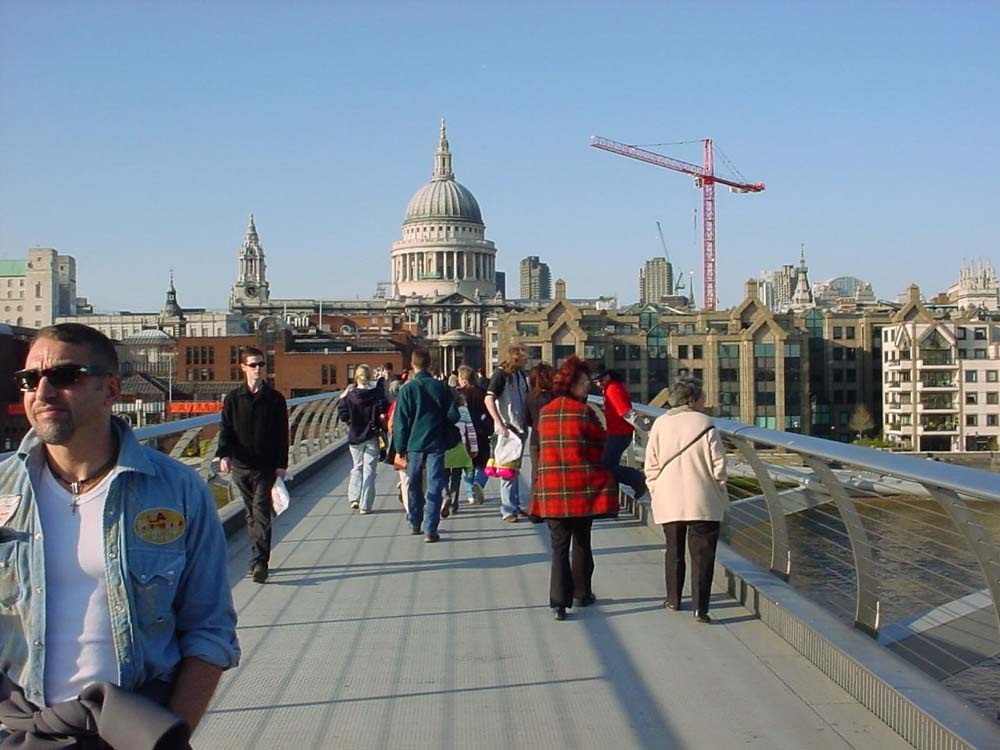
{"x":908,"y":549}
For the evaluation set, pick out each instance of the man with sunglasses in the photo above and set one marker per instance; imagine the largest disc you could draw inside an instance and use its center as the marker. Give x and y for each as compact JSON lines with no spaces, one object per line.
{"x":112,"y":557}
{"x":253,"y":445}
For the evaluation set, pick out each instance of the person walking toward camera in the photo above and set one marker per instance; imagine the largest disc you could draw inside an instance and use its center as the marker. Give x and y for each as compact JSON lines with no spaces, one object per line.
{"x":424,"y":410}
{"x":113,"y":583}
{"x":686,"y":474}
{"x":363,"y":411}
{"x":506,"y":401}
{"x":253,"y":446}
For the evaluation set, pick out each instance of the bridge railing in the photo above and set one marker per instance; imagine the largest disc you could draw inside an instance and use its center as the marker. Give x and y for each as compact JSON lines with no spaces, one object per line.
{"x":312,"y":432}
{"x":906,"y":549}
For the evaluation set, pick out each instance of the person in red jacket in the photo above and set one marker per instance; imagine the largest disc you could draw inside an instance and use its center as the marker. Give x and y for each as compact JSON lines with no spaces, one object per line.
{"x":619,"y":417}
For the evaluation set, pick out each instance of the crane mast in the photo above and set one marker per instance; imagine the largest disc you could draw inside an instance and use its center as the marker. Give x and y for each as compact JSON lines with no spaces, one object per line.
{"x":705,"y":179}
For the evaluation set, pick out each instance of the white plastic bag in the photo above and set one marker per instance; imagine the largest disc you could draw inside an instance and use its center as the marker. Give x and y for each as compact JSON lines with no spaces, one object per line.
{"x":507,"y":449}
{"x":279,"y":496}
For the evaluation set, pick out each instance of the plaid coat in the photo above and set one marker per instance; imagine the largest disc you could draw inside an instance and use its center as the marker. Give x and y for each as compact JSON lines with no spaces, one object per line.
{"x":571,"y":480}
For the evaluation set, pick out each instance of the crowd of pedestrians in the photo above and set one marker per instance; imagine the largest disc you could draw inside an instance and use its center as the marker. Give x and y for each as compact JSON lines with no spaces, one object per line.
{"x":107,"y":505}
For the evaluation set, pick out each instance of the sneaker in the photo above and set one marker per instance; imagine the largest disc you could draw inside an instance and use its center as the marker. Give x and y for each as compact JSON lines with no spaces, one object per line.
{"x":477,"y":492}
{"x":355,"y":505}
{"x":415,"y":530}
{"x":512,"y":518}
{"x":431,"y":538}
{"x":365,"y":511}
{"x":445,"y":511}
{"x":260,"y":572}
{"x":470,"y":500}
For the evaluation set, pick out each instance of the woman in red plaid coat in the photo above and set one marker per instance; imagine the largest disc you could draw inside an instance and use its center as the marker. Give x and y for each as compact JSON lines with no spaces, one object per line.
{"x":573,"y":485}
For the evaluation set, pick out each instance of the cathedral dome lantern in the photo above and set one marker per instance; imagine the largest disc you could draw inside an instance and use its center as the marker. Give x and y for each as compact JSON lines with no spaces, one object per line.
{"x":443,"y":249}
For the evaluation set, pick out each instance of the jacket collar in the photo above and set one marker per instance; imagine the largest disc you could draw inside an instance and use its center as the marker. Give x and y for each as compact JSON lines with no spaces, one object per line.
{"x":131,"y":455}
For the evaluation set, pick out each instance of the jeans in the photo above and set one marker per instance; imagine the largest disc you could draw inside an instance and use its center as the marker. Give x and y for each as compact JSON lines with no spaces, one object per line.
{"x":362,"y":485}
{"x":614,"y":447}
{"x":476,"y":476}
{"x":254,"y":486}
{"x":416,"y":461}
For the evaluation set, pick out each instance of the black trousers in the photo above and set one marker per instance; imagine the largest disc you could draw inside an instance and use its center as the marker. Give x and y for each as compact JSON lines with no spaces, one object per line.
{"x":702,"y":539}
{"x":254,"y":485}
{"x":567,"y":579}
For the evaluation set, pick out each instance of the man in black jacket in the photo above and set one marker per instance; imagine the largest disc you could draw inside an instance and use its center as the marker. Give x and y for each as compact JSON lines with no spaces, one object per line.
{"x":253,"y":445}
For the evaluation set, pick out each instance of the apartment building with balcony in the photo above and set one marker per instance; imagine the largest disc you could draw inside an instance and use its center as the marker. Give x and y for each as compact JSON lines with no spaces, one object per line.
{"x":941,"y":379}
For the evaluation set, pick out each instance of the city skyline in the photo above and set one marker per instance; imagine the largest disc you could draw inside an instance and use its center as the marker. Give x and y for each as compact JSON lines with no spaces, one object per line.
{"x":322,"y":127}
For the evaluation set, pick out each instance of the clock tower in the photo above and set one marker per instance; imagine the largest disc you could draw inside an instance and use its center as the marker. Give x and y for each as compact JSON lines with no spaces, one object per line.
{"x":250,"y":289}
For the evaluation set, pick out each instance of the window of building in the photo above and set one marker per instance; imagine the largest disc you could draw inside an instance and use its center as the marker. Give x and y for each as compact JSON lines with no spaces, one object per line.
{"x":851,"y":376}
{"x":992,"y":420}
{"x":838,"y":397}
{"x":634,"y":352}
{"x":838,"y":375}
{"x":979,"y":334}
{"x":991,"y":376}
{"x":634,"y":376}
{"x":971,"y":376}
{"x":561,"y":351}
{"x":979,"y":353}
{"x":697,"y":351}
{"x":843,"y":418}
{"x":851,"y":355}
{"x":850,"y":332}
{"x":993,"y":397}
{"x":960,"y":333}
{"x":972,"y":398}
{"x":838,"y":354}
{"x":971,"y":420}
{"x":838,"y":332}
{"x":682,"y":351}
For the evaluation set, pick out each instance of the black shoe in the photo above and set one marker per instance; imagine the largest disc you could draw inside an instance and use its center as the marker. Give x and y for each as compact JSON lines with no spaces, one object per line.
{"x":445,"y":512}
{"x":671,"y":606}
{"x":430,"y":538}
{"x":585,"y":601}
{"x":559,"y":613}
{"x":415,"y":530}
{"x":702,"y":617}
{"x":260,"y":572}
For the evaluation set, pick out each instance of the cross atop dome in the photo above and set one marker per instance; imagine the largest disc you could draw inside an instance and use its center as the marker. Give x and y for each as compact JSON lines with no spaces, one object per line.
{"x":442,"y":157}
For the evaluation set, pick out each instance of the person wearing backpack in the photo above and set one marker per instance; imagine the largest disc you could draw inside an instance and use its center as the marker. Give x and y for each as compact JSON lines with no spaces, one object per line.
{"x":424,"y":418}
{"x":363,"y":410}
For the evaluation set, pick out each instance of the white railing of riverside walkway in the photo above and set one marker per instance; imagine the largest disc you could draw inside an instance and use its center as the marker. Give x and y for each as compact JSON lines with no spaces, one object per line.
{"x":908,"y":548}
{"x":312,"y":429}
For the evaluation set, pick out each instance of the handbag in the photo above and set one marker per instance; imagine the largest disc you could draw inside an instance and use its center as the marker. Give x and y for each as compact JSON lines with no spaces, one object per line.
{"x":452,"y":435}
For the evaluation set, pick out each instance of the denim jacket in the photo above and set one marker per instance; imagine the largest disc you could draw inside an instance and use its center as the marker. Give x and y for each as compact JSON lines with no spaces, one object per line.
{"x":165,"y":566}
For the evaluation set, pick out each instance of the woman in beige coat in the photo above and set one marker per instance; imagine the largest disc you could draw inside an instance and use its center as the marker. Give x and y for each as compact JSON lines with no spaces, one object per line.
{"x":686,"y":474}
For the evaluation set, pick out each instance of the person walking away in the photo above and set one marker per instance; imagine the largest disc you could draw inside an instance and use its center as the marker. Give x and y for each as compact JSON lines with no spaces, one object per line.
{"x":540,"y":382}
{"x":620,"y":418}
{"x":363,"y":410}
{"x":253,"y":446}
{"x":686,"y":471}
{"x":506,"y":400}
{"x":402,"y":484}
{"x":459,"y":460}
{"x":573,"y":485}
{"x":115,"y":559}
{"x":424,"y":410}
{"x":475,"y":401}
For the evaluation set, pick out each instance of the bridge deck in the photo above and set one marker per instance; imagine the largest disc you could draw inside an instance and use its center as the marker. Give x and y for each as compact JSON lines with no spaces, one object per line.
{"x":366,"y":637}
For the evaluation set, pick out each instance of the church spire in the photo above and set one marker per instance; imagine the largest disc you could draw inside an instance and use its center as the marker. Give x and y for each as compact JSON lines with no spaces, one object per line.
{"x":442,"y":158}
{"x":251,"y":235}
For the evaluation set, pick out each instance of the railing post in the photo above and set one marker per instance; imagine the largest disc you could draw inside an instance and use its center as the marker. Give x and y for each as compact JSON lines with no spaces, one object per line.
{"x":184,"y":441}
{"x":867,"y":609}
{"x":294,"y":417}
{"x":966,"y":524}
{"x":781,"y":558}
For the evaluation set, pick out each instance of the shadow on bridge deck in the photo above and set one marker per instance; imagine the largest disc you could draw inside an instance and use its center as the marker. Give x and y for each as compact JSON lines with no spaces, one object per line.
{"x":366,"y":637}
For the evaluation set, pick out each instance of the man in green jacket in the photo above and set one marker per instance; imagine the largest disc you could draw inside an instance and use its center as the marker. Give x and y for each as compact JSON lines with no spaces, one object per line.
{"x":424,"y":409}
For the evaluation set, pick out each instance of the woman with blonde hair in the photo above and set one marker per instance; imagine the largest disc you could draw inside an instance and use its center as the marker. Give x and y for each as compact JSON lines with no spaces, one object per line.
{"x":363,"y":409}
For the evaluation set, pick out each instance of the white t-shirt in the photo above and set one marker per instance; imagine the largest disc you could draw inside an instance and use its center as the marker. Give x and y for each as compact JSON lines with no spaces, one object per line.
{"x":79,"y":649}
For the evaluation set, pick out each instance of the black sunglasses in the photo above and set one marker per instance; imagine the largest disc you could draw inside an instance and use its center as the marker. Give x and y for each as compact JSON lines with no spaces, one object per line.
{"x":256,"y":364}
{"x":60,"y":376}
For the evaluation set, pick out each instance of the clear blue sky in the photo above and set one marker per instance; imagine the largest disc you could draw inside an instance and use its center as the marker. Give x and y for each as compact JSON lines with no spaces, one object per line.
{"x":138,"y":136}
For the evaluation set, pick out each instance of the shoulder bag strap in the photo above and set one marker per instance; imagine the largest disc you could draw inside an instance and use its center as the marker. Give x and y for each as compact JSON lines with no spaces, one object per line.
{"x":694,"y":440}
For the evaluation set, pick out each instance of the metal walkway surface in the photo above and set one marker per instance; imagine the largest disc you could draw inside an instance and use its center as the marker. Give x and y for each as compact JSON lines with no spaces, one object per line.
{"x":367,"y":637}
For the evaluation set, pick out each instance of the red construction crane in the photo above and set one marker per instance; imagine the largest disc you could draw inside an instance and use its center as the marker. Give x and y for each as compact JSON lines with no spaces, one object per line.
{"x":704,"y":178}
